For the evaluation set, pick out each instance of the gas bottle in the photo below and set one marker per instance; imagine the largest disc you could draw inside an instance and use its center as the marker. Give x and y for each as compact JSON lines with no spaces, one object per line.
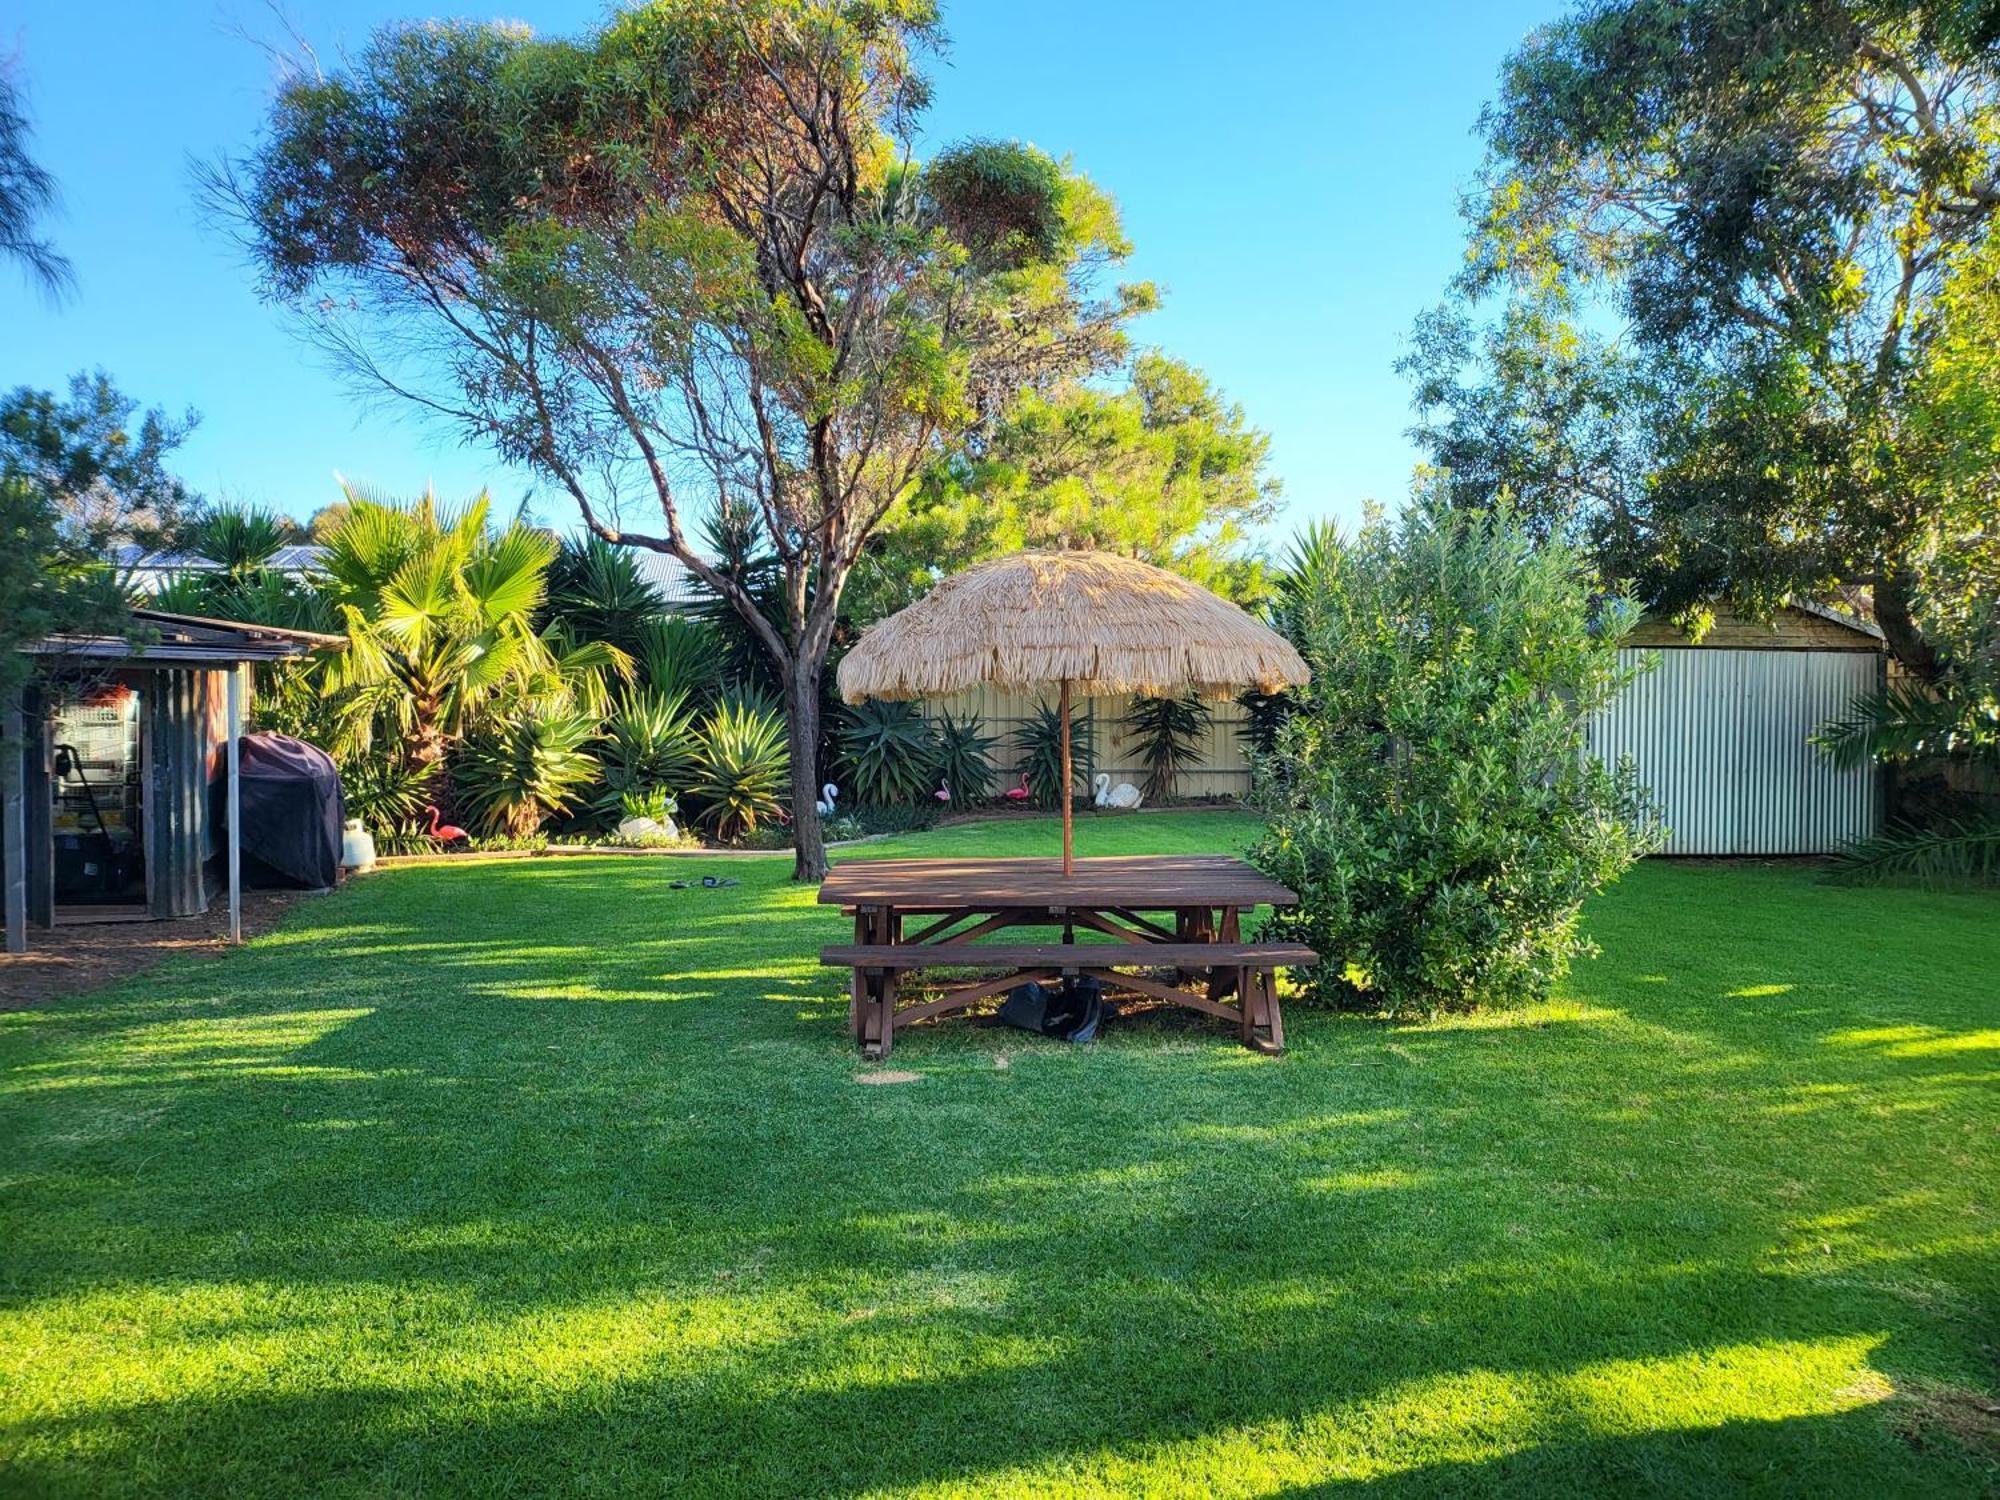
{"x":357,"y":846}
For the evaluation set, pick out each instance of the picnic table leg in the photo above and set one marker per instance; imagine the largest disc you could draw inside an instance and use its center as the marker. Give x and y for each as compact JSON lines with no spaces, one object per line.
{"x":1223,"y":983}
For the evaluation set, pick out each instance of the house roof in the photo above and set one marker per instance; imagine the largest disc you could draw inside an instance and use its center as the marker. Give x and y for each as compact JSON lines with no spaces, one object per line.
{"x":188,"y":641}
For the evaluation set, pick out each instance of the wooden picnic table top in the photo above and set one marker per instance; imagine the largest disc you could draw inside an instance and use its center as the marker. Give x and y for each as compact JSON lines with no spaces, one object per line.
{"x":1139,"y":882}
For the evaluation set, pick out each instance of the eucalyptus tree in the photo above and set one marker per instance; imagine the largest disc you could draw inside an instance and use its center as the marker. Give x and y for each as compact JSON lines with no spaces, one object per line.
{"x":27,"y":192}
{"x":1737,"y":251}
{"x":688,"y":260}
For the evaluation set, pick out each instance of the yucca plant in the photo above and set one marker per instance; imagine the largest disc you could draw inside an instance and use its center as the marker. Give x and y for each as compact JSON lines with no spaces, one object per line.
{"x":1167,"y":734}
{"x":649,"y":743}
{"x":888,"y":752}
{"x":679,"y":654}
{"x":513,"y":775}
{"x":740,"y":767}
{"x":1040,"y":743}
{"x":964,"y":757}
{"x":597,"y":593}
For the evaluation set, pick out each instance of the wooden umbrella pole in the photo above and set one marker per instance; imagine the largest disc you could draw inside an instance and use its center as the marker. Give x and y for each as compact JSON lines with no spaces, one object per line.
{"x":1069,"y":861}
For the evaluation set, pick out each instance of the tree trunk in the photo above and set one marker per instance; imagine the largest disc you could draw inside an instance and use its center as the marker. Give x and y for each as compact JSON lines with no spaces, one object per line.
{"x":802,"y":737}
{"x":1899,"y":626}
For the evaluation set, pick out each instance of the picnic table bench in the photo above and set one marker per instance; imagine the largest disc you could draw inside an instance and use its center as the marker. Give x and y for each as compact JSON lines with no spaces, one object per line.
{"x":1176,"y":913}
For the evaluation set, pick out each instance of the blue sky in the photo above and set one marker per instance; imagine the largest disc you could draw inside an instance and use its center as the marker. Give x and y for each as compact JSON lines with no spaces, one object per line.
{"x":1289,"y":173}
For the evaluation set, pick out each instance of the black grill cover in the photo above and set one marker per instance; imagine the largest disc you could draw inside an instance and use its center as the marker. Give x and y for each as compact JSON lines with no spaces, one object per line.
{"x":292,"y":812}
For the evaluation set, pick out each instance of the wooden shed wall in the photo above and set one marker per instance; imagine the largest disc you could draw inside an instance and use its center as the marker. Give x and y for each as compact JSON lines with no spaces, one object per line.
{"x":1790,"y":629}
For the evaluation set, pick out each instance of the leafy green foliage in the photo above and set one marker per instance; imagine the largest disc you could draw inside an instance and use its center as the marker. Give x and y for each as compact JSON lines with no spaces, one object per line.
{"x":382,"y":787}
{"x":598,"y":594}
{"x":1167,"y":733}
{"x":1039,"y":742}
{"x":1904,"y":722}
{"x":964,"y":757}
{"x":741,"y":768}
{"x":1743,"y":259}
{"x":1164,"y":469}
{"x":1430,"y":799}
{"x":679,"y":654}
{"x":514,"y":774}
{"x":889,"y":752}
{"x":1931,"y":855}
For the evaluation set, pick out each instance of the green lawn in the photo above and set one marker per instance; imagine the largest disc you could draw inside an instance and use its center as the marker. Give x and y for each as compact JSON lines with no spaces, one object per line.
{"x":538,"y":1177}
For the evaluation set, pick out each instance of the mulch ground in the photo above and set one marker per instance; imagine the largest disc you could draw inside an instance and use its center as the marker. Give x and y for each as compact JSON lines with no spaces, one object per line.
{"x":72,"y":959}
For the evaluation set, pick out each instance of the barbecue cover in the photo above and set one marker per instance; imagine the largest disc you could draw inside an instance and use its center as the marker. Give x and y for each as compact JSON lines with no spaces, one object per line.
{"x":292,"y":812}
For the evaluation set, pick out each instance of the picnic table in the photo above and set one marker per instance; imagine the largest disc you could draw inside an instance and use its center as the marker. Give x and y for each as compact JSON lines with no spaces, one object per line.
{"x":1178,"y":913}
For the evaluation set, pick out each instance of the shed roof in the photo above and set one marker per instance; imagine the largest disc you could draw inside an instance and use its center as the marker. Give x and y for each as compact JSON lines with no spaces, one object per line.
{"x":189,"y":641}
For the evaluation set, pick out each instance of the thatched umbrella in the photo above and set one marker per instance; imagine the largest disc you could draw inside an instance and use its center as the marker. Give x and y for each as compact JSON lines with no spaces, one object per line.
{"x":1088,"y":620}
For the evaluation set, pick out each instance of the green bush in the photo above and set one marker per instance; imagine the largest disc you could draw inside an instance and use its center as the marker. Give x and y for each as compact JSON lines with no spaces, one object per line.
{"x":964,"y":758}
{"x":1430,"y":798}
{"x":740,"y":768}
{"x":1040,"y":743}
{"x":888,"y":753}
{"x":514,"y":774}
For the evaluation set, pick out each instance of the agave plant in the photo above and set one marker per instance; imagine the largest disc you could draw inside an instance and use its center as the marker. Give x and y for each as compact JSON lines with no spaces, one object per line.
{"x":889,"y":752}
{"x":514,"y":775}
{"x":1167,"y":734}
{"x":649,"y":744}
{"x":1040,"y":743}
{"x":740,"y":767}
{"x":964,"y":757}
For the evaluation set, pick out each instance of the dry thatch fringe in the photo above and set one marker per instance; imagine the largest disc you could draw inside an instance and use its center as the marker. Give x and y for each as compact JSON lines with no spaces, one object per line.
{"x":1107,"y":623}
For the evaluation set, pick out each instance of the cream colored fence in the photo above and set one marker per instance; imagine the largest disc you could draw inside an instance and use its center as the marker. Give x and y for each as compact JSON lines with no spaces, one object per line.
{"x":1221,"y":768}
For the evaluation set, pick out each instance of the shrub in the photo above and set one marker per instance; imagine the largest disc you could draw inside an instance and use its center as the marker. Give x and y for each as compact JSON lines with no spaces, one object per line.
{"x":964,"y":758}
{"x":513,"y":774}
{"x":888,"y":752}
{"x":740,"y":767}
{"x":1430,"y":798}
{"x":596,"y":590}
{"x":1167,"y":734}
{"x":1040,"y":743}
{"x":648,"y":744}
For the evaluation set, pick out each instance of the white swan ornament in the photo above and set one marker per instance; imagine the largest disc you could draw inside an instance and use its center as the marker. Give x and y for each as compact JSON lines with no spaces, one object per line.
{"x":1122,"y":795}
{"x":828,"y":795}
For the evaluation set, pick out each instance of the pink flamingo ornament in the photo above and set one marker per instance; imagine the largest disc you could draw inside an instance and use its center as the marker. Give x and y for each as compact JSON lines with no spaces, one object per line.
{"x":943,"y":793}
{"x":449,"y":833}
{"x":1019,"y":793}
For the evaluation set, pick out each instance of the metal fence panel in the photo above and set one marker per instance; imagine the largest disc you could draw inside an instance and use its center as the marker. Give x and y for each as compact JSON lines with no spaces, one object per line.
{"x":1721,"y":738}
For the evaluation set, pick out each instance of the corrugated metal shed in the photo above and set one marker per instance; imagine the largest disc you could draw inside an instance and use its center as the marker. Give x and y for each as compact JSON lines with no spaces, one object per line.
{"x":1720,"y":735}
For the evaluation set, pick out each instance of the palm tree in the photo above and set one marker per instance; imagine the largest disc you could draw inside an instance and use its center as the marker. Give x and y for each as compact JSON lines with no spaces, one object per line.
{"x":439,"y":613}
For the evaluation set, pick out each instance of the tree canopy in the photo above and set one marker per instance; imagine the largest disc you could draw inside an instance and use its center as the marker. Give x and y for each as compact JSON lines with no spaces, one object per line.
{"x":1162,"y":468}
{"x":1736,"y":253}
{"x":688,"y":259}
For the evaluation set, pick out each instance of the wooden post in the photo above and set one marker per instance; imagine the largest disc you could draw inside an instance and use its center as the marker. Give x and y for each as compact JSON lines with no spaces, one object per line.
{"x":234,"y":756}
{"x":13,"y":809}
{"x":1069,"y":861}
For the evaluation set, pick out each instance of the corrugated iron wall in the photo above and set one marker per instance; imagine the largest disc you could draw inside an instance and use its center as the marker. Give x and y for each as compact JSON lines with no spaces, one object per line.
{"x":178,"y":837}
{"x":1224,"y":767}
{"x":1720,"y":737}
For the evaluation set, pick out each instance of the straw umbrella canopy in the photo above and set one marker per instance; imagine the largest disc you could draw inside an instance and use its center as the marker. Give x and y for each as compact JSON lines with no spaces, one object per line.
{"x":1088,"y":620}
